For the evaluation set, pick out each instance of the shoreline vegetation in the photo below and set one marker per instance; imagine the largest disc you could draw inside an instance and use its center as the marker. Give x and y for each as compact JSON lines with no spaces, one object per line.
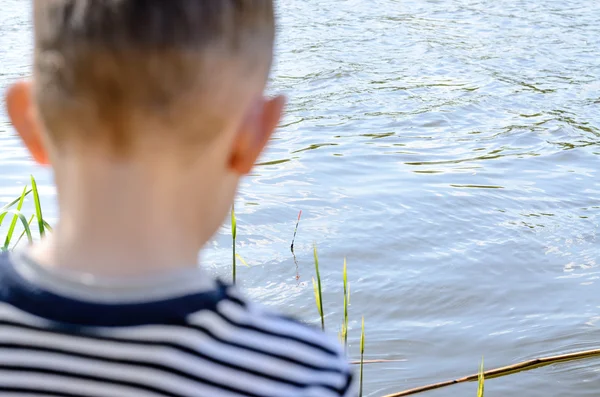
{"x":12,"y":239}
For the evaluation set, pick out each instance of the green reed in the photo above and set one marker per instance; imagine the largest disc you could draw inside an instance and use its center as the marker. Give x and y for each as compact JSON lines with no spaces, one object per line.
{"x":481,"y":380}
{"x":318,"y":289}
{"x":362,"y":357}
{"x":38,"y":207}
{"x":15,"y":208}
{"x":344,"y":336}
{"x":13,"y":224}
{"x":234,"y":236}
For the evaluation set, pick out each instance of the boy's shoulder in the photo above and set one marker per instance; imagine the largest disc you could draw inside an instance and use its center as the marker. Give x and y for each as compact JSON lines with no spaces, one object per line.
{"x":217,"y":338}
{"x":261,"y":318}
{"x":269,"y":333}
{"x":262,"y":321}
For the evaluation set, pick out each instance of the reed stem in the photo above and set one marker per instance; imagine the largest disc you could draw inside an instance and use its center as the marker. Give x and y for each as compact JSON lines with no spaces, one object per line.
{"x":318,"y":289}
{"x":234,"y":236}
{"x":362,"y":357}
{"x":504,"y":371}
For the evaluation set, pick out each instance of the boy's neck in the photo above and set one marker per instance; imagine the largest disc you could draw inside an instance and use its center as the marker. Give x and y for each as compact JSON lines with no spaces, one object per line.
{"x":123,"y":221}
{"x":114,"y":255}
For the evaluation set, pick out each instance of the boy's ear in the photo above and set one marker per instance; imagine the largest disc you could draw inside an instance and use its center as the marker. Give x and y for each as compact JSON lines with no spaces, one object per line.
{"x":254,"y":134}
{"x":22,"y":116}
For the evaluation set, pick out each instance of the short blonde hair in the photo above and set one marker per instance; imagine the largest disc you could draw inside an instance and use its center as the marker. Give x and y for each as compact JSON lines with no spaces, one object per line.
{"x":111,"y":62}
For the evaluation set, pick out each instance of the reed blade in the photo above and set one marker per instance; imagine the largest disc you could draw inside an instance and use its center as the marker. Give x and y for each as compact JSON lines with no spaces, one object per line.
{"x":23,"y":220}
{"x":481,"y":380}
{"x":319,"y":288}
{"x":317,"y":297}
{"x":38,"y":207}
{"x":12,"y":203}
{"x":48,"y":227}
{"x":296,"y":231}
{"x":346,"y":303}
{"x":23,"y":232}
{"x":13,"y":224}
{"x":234,"y":236}
{"x":362,"y":357}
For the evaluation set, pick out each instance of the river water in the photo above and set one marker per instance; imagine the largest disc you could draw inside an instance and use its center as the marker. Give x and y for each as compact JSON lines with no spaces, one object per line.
{"x":450,"y":150}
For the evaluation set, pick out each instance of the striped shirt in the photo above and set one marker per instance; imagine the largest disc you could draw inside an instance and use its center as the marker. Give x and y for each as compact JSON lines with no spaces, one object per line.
{"x":181,"y":335}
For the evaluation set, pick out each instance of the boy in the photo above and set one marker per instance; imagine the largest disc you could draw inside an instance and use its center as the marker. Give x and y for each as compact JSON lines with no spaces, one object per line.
{"x":149,"y":112}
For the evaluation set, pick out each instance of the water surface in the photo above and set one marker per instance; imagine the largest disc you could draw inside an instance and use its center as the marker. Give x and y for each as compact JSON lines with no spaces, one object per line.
{"x":450,"y":150}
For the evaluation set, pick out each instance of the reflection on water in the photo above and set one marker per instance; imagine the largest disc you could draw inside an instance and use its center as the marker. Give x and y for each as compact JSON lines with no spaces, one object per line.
{"x":315,"y":146}
{"x":274,"y":162}
{"x":450,"y":150}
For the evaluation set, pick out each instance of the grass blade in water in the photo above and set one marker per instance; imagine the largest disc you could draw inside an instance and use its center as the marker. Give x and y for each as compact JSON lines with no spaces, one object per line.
{"x":346,"y":302}
{"x":296,"y":231}
{"x":362,"y":356}
{"x":48,"y":227}
{"x":317,"y":297}
{"x":38,"y":207}
{"x":11,"y":229}
{"x":23,"y":233}
{"x":234,"y":236}
{"x":23,"y":221}
{"x":242,"y":260}
{"x":481,"y":380}
{"x":12,"y":203}
{"x":318,"y":289}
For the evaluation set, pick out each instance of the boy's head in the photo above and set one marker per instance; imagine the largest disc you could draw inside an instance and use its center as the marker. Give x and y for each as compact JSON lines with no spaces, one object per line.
{"x":147,"y":82}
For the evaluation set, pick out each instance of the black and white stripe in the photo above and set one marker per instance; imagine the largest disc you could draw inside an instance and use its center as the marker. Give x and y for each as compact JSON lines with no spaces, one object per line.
{"x":239,"y":349}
